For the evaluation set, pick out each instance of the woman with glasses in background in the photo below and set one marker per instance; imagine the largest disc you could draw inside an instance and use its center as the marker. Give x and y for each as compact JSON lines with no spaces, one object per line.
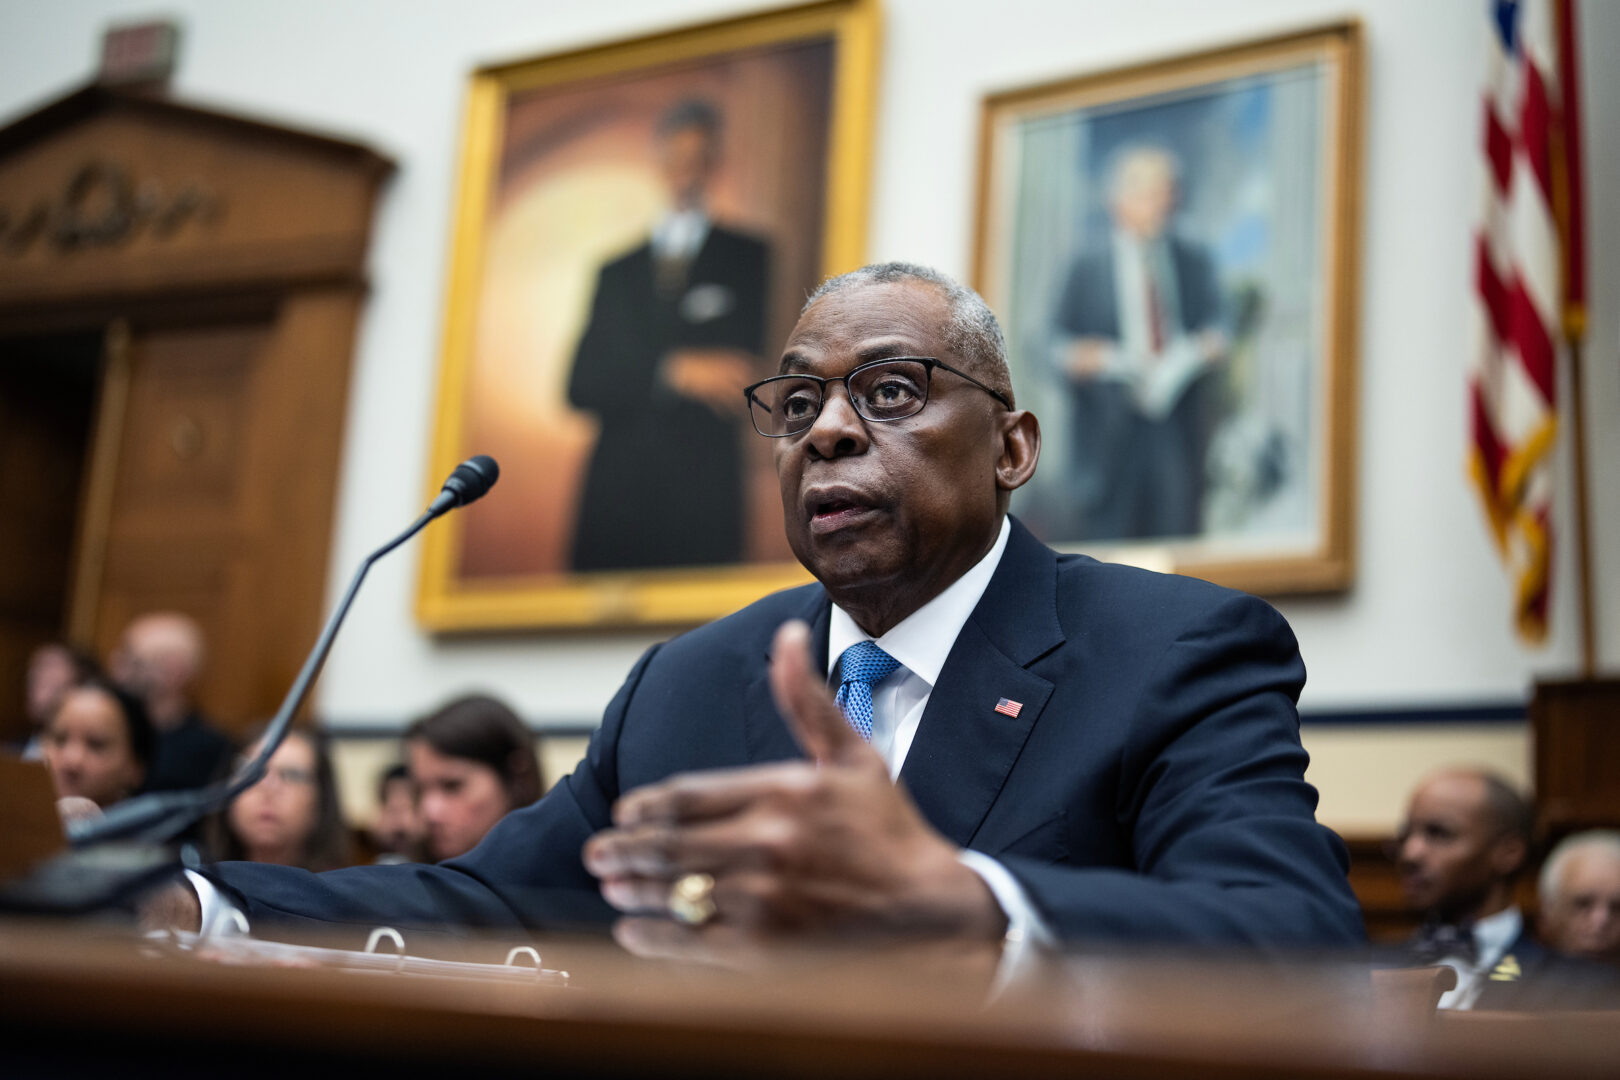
{"x":292,"y":816}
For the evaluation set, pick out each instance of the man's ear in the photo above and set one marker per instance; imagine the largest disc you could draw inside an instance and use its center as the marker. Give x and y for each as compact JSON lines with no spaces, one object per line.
{"x":1020,"y":449}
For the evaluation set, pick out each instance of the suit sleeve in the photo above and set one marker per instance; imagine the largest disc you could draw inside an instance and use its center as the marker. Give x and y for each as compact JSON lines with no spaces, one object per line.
{"x":756,"y":281}
{"x":1221,"y":822}
{"x":526,"y":873}
{"x":615,"y":368}
{"x":1085,"y":306}
{"x":1200,"y":284}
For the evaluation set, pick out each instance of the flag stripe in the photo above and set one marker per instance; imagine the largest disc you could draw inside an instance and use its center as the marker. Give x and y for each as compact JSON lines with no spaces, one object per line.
{"x":1485,"y":440}
{"x":1535,"y":126}
{"x":1527,"y":331}
{"x":1492,"y":295}
{"x":1498,"y":147}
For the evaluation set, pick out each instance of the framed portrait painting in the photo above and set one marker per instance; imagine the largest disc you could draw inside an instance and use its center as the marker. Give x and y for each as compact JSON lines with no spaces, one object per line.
{"x":636,"y":227}
{"x":1172,"y":249}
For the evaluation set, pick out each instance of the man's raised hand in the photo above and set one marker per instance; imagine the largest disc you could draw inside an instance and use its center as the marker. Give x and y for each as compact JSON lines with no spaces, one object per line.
{"x":792,"y":847}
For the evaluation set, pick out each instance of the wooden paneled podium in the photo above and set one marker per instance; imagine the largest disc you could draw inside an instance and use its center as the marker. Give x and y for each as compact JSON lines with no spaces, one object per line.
{"x":1576,"y":727}
{"x":82,"y":1000}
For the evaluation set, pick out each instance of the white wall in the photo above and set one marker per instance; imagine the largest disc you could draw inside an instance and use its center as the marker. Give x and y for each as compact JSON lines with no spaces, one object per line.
{"x":1428,"y":620}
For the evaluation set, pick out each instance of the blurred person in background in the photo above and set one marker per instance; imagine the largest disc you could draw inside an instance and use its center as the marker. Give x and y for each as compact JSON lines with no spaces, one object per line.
{"x":291,"y":817}
{"x":472,"y":762}
{"x":53,"y":668}
{"x":97,"y":744}
{"x":1580,"y":895}
{"x":159,"y":657}
{"x":396,"y":834}
{"x":1467,"y":839}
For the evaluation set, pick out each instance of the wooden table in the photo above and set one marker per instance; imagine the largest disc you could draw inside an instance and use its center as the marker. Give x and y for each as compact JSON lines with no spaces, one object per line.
{"x":79,"y":1000}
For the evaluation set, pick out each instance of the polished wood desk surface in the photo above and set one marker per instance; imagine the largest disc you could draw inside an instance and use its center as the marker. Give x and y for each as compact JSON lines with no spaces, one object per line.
{"x":79,"y":999}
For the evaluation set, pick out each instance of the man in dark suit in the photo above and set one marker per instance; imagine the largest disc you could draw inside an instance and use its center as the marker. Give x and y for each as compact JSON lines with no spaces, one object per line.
{"x":1086,"y":752}
{"x":675,"y":331}
{"x":1139,"y":324}
{"x":1465,"y":843}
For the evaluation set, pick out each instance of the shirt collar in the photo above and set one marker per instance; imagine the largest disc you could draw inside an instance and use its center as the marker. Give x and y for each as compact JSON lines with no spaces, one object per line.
{"x":922,"y":640}
{"x":1494,"y":933}
{"x":680,"y":234}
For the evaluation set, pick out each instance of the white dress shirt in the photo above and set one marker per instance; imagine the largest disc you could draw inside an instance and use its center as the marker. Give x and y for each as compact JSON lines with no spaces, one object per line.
{"x":680,"y":235}
{"x":1492,"y":936}
{"x":921,"y":642}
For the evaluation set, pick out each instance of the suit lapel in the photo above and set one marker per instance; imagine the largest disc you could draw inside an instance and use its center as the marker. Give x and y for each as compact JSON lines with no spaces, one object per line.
{"x":964,"y":748}
{"x":766,"y":735}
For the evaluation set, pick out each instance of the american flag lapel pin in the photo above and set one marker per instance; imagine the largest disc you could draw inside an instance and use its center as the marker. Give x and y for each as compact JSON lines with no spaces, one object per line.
{"x":1009,"y":707}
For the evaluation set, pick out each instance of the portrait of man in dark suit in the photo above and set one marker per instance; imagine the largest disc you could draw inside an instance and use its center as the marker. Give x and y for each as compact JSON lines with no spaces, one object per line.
{"x":675,"y":331}
{"x":635,"y":228}
{"x":1140,"y":340}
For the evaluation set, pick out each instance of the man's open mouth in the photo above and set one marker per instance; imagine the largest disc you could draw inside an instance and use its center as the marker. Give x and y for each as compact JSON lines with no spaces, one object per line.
{"x":835,"y":508}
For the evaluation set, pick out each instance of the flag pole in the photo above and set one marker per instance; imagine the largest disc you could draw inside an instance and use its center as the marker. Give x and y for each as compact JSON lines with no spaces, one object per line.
{"x":1583,"y":536}
{"x":1569,"y":210}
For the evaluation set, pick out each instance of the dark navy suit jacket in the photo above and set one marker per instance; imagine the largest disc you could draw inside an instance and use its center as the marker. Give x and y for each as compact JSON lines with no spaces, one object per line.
{"x":1532,"y":978}
{"x":1150,"y":789}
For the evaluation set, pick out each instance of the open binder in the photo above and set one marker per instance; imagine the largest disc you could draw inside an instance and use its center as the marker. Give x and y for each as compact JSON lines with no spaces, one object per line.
{"x":522,"y":964}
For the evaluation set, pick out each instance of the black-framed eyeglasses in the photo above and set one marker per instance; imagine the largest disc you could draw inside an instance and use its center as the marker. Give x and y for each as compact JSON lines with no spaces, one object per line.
{"x":880,"y":391}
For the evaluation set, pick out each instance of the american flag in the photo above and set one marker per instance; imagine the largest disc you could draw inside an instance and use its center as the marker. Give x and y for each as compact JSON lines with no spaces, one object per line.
{"x":1007,"y":707}
{"x":1520,"y":279}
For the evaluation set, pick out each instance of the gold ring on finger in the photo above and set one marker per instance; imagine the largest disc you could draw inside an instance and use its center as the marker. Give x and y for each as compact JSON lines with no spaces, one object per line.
{"x":691,"y":899}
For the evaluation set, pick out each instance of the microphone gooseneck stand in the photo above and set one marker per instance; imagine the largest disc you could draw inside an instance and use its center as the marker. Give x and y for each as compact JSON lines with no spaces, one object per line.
{"x":126,"y":849}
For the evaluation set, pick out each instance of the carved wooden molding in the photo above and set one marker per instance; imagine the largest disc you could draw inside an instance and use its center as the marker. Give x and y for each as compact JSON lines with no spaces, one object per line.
{"x":103,"y":205}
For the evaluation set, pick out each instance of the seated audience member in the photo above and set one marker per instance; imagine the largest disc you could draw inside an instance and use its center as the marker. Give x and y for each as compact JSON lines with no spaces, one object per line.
{"x":159,"y":657}
{"x":53,"y":668}
{"x":291,"y":817}
{"x":472,"y":762}
{"x":1466,"y":840}
{"x":97,"y":743}
{"x":1580,"y":896}
{"x":955,"y":732}
{"x":396,"y":834}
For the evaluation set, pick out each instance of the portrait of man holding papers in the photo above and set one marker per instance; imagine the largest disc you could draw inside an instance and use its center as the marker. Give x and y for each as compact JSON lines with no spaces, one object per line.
{"x":1171,"y":245}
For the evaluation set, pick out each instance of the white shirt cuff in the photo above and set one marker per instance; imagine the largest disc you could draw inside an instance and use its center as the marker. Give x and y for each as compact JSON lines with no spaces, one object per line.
{"x":220,"y":917}
{"x":1024,"y":923}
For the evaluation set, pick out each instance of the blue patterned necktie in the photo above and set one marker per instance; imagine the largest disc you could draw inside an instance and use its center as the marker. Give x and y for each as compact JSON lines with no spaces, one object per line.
{"x":863,"y":664}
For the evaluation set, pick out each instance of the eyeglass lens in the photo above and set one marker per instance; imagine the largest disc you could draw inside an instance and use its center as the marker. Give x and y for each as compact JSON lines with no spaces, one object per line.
{"x":888,"y":390}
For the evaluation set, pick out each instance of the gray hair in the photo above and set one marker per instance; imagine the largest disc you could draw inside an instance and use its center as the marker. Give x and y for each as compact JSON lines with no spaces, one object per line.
{"x":1551,"y":884}
{"x":973,"y":332}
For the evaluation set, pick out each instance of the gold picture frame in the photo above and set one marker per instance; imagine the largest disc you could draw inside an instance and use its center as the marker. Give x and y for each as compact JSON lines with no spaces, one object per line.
{"x":560,"y":172}
{"x":1173,"y":248}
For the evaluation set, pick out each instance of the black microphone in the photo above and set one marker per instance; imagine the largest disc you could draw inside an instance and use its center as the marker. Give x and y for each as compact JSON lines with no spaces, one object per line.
{"x":468,"y":483}
{"x":160,"y":815}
